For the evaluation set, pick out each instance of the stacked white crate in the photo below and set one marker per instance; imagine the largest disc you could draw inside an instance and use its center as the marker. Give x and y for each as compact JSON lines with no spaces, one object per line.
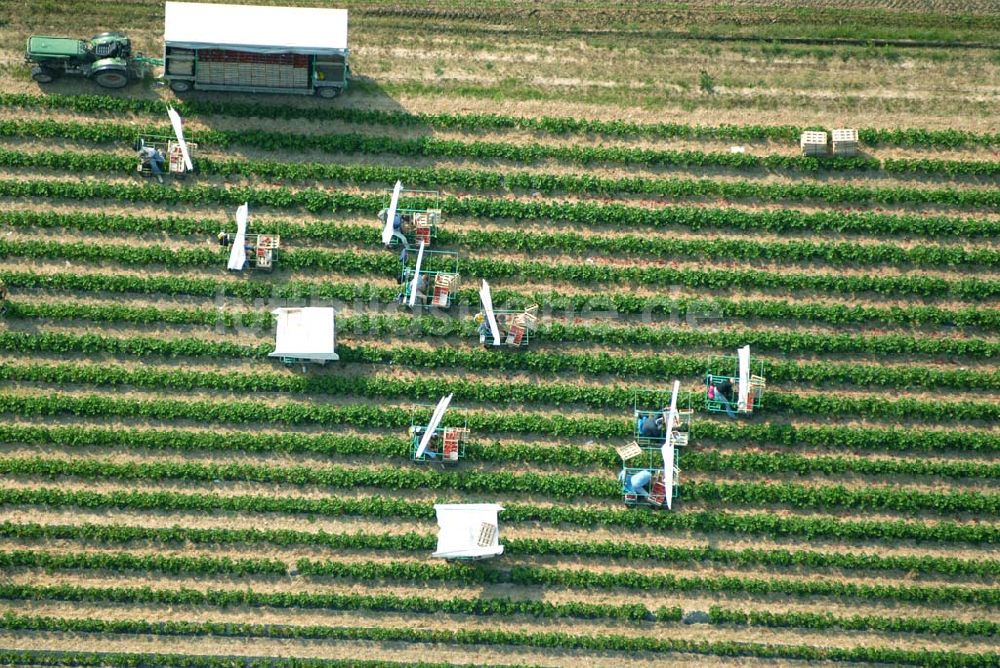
{"x":813,"y":143}
{"x":845,"y":142}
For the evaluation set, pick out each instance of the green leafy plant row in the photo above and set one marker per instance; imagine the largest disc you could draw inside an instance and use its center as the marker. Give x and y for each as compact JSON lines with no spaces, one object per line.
{"x":386,"y":265}
{"x":695,"y":218}
{"x":102,"y":104}
{"x":621,"y":365}
{"x":665,"y":336}
{"x":837,"y":253}
{"x":623,"y":303}
{"x":811,"y":620}
{"x":201,"y":565}
{"x":559,"y":486}
{"x":410,"y":542}
{"x":556,"y":640}
{"x":765,"y":524}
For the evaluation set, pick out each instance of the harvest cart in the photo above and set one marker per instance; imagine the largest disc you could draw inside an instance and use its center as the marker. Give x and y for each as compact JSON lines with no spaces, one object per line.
{"x":649,"y":464}
{"x":176,"y":150}
{"x":504,"y":329}
{"x":743,"y":374}
{"x":432,"y":279}
{"x":255,"y":250}
{"x":437,"y":444}
{"x":468,"y":531}
{"x":246,"y":48}
{"x":416,"y":224}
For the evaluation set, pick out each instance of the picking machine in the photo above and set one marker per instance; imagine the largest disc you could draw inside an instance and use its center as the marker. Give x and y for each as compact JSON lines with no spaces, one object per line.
{"x":747,"y":384}
{"x":649,"y":463}
{"x":106,"y":58}
{"x":468,"y":531}
{"x":434,"y":443}
{"x":431,"y":281}
{"x":416,"y":225}
{"x":175,"y":151}
{"x":504,"y":329}
{"x":254,"y":250}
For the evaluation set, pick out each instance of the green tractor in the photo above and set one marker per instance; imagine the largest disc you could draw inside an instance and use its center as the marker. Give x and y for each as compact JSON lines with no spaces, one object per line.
{"x":106,"y":58}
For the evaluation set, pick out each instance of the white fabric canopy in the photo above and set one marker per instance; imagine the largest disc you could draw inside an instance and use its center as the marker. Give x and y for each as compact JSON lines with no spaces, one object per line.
{"x":668,"y":446}
{"x":460,"y":525}
{"x":238,"y":253}
{"x":416,"y":275}
{"x":433,"y":424}
{"x":744,"y":358}
{"x":303,"y":30}
{"x":487,"y":298}
{"x":393,"y":205}
{"x":175,"y":120}
{"x":305,"y":333}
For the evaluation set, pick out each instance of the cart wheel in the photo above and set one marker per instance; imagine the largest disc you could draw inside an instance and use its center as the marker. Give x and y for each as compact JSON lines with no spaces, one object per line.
{"x":111,"y":79}
{"x":328,"y":92}
{"x":43,"y":74}
{"x":180,"y":85}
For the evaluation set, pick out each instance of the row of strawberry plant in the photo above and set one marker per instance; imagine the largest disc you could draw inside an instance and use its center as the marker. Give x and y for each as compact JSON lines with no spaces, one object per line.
{"x":767,"y":524}
{"x":101,"y":104}
{"x":618,"y":303}
{"x":837,"y":253}
{"x":563,"y":455}
{"x":695,"y":218}
{"x":661,"y":336}
{"x":414,"y":542}
{"x":579,"y":578}
{"x":548,"y":640}
{"x":560,"y":485}
{"x":824,"y":621}
{"x":621,"y":365}
{"x":175,"y":565}
{"x":383,"y":264}
{"x":236,"y":412}
{"x":378,"y":602}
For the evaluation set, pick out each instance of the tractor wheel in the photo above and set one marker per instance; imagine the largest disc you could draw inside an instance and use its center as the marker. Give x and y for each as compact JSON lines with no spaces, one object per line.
{"x":328,"y":92}
{"x":180,"y":85}
{"x":111,"y":79}
{"x":43,"y":74}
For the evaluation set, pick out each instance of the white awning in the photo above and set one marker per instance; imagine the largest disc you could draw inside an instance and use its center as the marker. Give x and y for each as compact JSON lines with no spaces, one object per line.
{"x":305,"y":333}
{"x":302,"y":30}
{"x":462,"y":525}
{"x":175,"y":121}
{"x":436,"y":417}
{"x":238,"y":252}
{"x":744,"y":363}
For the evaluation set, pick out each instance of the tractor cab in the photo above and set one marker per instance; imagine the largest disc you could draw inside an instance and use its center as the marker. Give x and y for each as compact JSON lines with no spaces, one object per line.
{"x":433,"y":443}
{"x":649,"y":463}
{"x":504,"y":329}
{"x":429,"y":279}
{"x":172,"y":155}
{"x":259,"y":251}
{"x":735,"y":385}
{"x":405,"y":221}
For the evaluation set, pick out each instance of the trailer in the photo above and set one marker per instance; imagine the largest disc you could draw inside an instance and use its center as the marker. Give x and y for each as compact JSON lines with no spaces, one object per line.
{"x":468,"y":531}
{"x":432,"y":442}
{"x":735,"y":385}
{"x":305,"y":335}
{"x":650,"y":463}
{"x":254,"y":49}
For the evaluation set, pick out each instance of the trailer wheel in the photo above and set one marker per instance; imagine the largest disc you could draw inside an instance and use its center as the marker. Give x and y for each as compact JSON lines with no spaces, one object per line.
{"x":328,"y":92}
{"x":180,"y":85}
{"x":111,"y":79}
{"x":43,"y":74}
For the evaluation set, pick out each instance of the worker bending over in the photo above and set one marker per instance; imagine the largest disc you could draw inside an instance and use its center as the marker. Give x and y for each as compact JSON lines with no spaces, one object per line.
{"x":636,"y":483}
{"x":151,"y":157}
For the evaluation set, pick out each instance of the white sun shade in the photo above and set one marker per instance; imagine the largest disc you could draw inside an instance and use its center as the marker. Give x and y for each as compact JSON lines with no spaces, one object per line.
{"x":175,"y":120}
{"x":744,"y":359}
{"x":462,"y":525}
{"x":301,"y":30}
{"x":393,"y":205}
{"x":668,"y":472}
{"x":487,"y":298}
{"x":416,"y":275}
{"x":238,"y":253}
{"x":436,"y":417}
{"x":305,"y":333}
